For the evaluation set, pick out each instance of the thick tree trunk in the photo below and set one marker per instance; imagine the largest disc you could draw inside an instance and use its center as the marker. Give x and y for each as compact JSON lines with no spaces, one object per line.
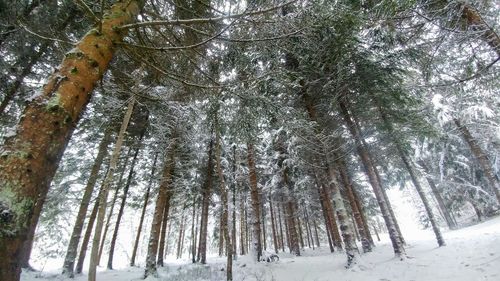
{"x":397,"y":244}
{"x":72,"y":250}
{"x":442,"y":206}
{"x":143,"y":212}
{"x":481,"y":158}
{"x":161,"y":200}
{"x":124,"y":200}
{"x":32,"y":155}
{"x":206,"y":193}
{"x":481,"y":28}
{"x":108,"y":180}
{"x":325,"y":215}
{"x":256,"y":208}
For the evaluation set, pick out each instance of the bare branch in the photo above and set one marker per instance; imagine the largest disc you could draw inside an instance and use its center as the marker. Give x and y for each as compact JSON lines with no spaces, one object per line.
{"x":204,"y":20}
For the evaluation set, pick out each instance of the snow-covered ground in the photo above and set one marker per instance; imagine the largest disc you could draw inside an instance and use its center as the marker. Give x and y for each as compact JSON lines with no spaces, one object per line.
{"x":471,"y":254}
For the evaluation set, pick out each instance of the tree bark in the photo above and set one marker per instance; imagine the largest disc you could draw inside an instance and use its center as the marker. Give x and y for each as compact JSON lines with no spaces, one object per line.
{"x":282,"y":241}
{"x":69,"y":261}
{"x":397,"y":244}
{"x":481,"y":158}
{"x":161,"y":201}
{"x":256,"y":208}
{"x":193,"y":233}
{"x":32,"y":155}
{"x":143,"y":212}
{"x":181,"y":234}
{"x":113,"y":163}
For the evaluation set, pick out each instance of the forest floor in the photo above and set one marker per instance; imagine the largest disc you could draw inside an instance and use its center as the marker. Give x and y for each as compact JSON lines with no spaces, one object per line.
{"x":471,"y":254}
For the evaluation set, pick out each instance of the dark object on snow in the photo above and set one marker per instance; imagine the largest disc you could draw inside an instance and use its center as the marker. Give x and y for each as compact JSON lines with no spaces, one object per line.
{"x":271,"y":258}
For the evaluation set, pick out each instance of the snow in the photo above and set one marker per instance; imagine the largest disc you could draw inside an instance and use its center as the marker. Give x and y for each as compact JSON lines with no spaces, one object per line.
{"x":471,"y":254}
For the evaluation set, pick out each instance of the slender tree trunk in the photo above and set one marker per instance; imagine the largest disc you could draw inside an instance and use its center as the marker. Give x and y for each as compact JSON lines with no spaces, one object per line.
{"x":71,"y":252}
{"x":397,"y":244}
{"x":361,"y":208}
{"x":325,"y":215}
{"x":282,"y":242}
{"x":28,"y":244}
{"x":442,"y":206}
{"x":221,"y":236}
{"x":46,"y":127}
{"x":161,"y":201}
{"x":263,"y":220}
{"x":233,"y":188}
{"x":301,"y":235}
{"x":112,"y":207}
{"x":273,"y":225}
{"x":143,"y":212}
{"x":193,"y":233}
{"x":308,"y":227}
{"x":346,"y":181}
{"x":481,"y":157}
{"x":316,"y":233}
{"x":88,"y":231}
{"x":206,"y":193}
{"x":181,"y":236}
{"x":124,"y":200}
{"x":225,"y":208}
{"x":242,"y":227}
{"x":94,"y":253}
{"x":163,"y":234}
{"x":256,"y":208}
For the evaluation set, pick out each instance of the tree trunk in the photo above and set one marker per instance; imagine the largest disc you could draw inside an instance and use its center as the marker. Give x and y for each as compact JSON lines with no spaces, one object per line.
{"x":206,"y":193}
{"x":161,"y":201}
{"x":263,"y":220}
{"x":124,"y":200}
{"x":308,"y":227}
{"x":225,"y":208}
{"x":242,"y":227}
{"x":112,"y":207}
{"x":28,"y":244}
{"x":181,"y":235}
{"x":163,"y":234}
{"x":113,"y":163}
{"x":32,"y":155}
{"x":88,"y":231}
{"x":346,"y":181}
{"x":397,"y":244}
{"x":71,"y":252}
{"x":233,"y":188}
{"x":442,"y":206}
{"x":481,"y":158}
{"x":193,"y":233}
{"x":282,"y":242}
{"x":325,"y":215}
{"x":255,"y":197}
{"x":481,"y":28}
{"x":316,"y":233}
{"x":273,"y":225}
{"x":301,"y":235}
{"x":143,"y":212}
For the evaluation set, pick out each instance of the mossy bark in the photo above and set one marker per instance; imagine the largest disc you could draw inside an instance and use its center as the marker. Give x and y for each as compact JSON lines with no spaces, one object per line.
{"x":30,"y":158}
